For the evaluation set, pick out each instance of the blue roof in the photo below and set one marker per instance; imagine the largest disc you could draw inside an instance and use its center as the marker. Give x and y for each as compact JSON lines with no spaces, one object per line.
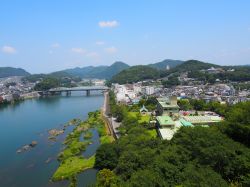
{"x":186,"y":123}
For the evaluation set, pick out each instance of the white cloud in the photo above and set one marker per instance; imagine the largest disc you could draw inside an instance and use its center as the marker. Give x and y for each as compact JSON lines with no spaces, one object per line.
{"x":55,"y":45}
{"x":8,"y":50}
{"x":100,"y":43}
{"x":78,"y":50}
{"x":111,"y":50}
{"x":104,"y":24}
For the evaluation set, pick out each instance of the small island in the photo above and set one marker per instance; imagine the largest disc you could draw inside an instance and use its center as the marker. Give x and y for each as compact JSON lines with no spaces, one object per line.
{"x":71,"y":160}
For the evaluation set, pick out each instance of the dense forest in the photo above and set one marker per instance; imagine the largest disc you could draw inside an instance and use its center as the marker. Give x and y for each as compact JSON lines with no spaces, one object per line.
{"x":196,"y":156}
{"x":135,"y":74}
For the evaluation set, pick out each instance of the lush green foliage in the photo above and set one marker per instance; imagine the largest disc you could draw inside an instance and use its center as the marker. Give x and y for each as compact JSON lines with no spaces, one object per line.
{"x":52,"y":80}
{"x":214,"y":106}
{"x":71,"y":159}
{"x":172,"y":81}
{"x":71,"y":166}
{"x":135,"y":74}
{"x":238,"y":124}
{"x":196,"y":156}
{"x":103,"y":72}
{"x":193,"y":65}
{"x":240,"y":74}
{"x":47,"y":84}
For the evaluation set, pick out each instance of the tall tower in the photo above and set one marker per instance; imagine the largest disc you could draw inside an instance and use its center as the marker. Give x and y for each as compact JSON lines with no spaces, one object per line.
{"x":167,"y":67}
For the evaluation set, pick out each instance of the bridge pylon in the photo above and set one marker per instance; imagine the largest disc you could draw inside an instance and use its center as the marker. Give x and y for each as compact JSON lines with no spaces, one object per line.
{"x":88,"y":92}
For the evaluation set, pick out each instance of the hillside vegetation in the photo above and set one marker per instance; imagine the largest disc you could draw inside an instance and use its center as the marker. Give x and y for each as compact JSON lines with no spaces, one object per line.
{"x":168,"y":62}
{"x":193,"y":65}
{"x":101,"y":72}
{"x":9,"y":71}
{"x":196,"y":156}
{"x":135,"y":74}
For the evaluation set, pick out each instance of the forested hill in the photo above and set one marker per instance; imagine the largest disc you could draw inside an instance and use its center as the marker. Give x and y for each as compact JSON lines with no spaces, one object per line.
{"x":157,"y":70}
{"x":102,"y":72}
{"x":231,"y":73}
{"x":9,"y":71}
{"x":168,"y":62}
{"x":107,"y":72}
{"x":135,"y":74}
{"x":193,"y":65}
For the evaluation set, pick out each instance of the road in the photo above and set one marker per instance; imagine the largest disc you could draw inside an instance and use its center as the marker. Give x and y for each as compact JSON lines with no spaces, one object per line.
{"x":111,"y":123}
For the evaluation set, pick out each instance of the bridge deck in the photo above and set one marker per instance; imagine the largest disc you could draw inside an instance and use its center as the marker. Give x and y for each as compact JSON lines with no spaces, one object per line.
{"x":89,"y":88}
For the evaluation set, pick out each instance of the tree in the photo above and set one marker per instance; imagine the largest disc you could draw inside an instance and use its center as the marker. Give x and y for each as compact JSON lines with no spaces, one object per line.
{"x":209,"y":147}
{"x":197,"y":104}
{"x":107,"y":178}
{"x":172,"y":81}
{"x":120,"y":112}
{"x":47,"y":84}
{"x":106,"y":156}
{"x":184,"y":104}
{"x":201,"y":176}
{"x":146,"y":177}
{"x":238,"y":123}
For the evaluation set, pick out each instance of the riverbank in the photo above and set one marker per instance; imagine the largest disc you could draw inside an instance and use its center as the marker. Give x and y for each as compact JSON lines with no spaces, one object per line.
{"x":21,"y":98}
{"x":71,"y":158}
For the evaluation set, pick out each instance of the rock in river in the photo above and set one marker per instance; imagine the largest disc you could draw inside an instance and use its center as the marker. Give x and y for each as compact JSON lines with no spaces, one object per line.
{"x":27,"y":147}
{"x":33,"y":143}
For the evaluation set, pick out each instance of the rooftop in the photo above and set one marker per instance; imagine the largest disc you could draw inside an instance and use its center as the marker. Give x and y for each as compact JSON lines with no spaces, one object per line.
{"x":185,"y":123}
{"x":202,"y":119}
{"x":166,"y":134}
{"x":167,"y":103}
{"x":165,"y":120}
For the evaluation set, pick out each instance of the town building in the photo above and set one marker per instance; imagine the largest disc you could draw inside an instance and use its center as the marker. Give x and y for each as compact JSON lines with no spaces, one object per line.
{"x":167,"y":106}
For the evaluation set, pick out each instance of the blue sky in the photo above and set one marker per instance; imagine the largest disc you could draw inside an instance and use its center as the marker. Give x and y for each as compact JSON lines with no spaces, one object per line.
{"x":49,"y":35}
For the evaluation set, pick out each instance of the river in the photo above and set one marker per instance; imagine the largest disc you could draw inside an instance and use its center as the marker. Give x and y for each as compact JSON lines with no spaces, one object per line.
{"x":30,"y":120}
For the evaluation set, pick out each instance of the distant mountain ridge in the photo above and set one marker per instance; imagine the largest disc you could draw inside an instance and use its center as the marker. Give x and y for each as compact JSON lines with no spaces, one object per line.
{"x":10,"y":71}
{"x":107,"y":72}
{"x":101,"y":72}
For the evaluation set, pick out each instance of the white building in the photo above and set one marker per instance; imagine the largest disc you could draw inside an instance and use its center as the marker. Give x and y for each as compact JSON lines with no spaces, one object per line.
{"x":149,"y":90}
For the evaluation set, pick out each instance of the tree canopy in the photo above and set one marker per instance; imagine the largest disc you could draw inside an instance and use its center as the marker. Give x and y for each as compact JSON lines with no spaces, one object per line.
{"x":196,"y":156}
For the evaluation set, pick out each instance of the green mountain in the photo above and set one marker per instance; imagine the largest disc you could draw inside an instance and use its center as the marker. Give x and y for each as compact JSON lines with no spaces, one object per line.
{"x":9,"y":71}
{"x":135,"y":74}
{"x":158,"y":70}
{"x":102,"y":72}
{"x":168,"y":62}
{"x":193,"y":65}
{"x":60,"y":75}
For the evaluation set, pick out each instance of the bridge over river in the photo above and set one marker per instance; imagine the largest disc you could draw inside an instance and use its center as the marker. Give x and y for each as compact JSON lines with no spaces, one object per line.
{"x":87,"y":89}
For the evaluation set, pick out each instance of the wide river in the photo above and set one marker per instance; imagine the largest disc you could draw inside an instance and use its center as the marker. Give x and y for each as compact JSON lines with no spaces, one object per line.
{"x":30,"y":120}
